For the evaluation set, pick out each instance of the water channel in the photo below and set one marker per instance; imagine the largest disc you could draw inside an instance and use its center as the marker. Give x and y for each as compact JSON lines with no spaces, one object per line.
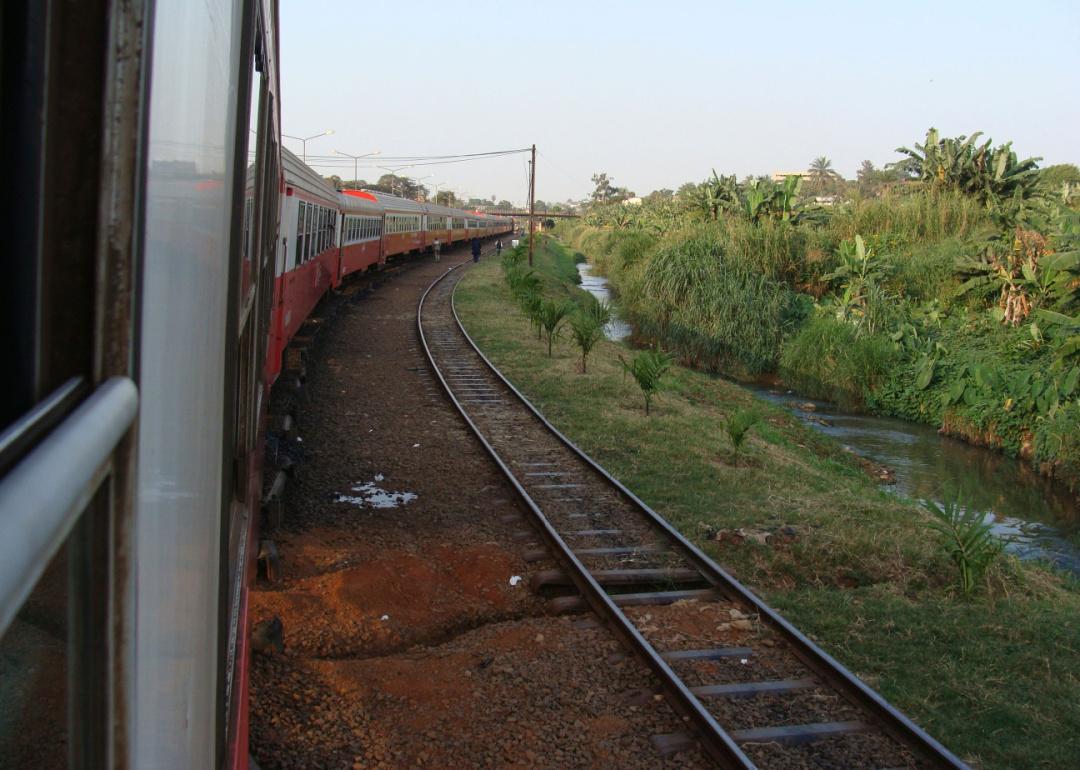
{"x":1033,"y":515}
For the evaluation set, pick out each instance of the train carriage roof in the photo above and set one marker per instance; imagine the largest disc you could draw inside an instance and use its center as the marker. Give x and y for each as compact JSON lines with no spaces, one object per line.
{"x":302,"y":177}
{"x":396,"y":204}
{"x":360,"y":202}
{"x":433,"y":208}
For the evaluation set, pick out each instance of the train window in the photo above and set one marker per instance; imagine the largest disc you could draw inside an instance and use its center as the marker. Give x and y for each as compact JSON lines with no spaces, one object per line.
{"x":309,"y":231}
{"x":56,"y":100}
{"x":300,"y":232}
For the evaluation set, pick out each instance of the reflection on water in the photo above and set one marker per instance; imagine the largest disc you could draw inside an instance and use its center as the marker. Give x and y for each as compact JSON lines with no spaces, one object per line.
{"x":597,"y":286}
{"x":1029,"y":511}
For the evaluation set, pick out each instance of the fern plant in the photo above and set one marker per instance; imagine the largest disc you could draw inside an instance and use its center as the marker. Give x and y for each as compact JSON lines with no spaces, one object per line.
{"x":648,"y":369}
{"x":967,"y":537}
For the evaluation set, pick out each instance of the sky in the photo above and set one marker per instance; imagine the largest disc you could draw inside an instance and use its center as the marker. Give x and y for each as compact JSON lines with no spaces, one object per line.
{"x":658,"y":94}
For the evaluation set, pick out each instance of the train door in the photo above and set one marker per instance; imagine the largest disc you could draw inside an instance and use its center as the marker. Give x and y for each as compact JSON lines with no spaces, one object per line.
{"x":71,"y":136}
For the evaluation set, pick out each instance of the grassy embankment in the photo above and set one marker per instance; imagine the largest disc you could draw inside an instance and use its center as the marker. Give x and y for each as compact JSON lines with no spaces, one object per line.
{"x":995,"y":677}
{"x":891,"y":321}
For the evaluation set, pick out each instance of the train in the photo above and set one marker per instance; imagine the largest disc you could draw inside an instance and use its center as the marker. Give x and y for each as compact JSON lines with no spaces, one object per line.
{"x":163,"y":249}
{"x":328,"y":234}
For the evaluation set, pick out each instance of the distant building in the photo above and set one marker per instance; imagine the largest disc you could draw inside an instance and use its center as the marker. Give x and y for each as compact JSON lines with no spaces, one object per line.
{"x":632,"y":202}
{"x":782,"y":176}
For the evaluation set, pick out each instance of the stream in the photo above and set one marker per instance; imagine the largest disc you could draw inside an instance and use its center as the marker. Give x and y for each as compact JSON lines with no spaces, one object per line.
{"x":1033,"y":515}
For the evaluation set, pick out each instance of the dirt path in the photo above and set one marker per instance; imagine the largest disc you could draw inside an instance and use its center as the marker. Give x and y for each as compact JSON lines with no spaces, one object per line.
{"x":407,"y":643}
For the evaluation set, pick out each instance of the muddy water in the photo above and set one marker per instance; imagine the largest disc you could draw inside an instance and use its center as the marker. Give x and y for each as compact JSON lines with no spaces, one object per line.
{"x":1037,"y":518}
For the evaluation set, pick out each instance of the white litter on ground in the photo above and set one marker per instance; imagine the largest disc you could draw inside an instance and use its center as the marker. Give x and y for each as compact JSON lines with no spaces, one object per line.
{"x":372,"y":496}
{"x":515,"y":580}
{"x":385,"y":617}
{"x":414,"y":446}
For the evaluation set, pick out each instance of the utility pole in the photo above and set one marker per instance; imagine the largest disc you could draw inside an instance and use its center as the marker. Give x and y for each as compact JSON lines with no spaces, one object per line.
{"x":532,"y":203}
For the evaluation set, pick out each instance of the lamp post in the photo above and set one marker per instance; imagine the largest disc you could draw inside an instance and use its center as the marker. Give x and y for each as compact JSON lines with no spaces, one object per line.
{"x":393,"y":173}
{"x":305,"y":139}
{"x":356,"y":158}
{"x":420,"y":179}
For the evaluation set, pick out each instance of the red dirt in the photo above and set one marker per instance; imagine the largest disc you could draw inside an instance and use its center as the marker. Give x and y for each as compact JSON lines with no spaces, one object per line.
{"x":465,"y":670}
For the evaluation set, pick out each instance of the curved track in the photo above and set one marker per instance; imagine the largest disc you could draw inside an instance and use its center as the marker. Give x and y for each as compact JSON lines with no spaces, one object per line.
{"x":753,"y":690}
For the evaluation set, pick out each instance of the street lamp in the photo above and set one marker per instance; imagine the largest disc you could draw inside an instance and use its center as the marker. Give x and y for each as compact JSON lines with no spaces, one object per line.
{"x":304,"y":140}
{"x":420,"y":179}
{"x":393,"y":173}
{"x":356,"y":158}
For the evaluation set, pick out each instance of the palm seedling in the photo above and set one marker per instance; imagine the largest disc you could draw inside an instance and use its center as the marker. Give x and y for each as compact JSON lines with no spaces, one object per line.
{"x":597,"y":309}
{"x":551,"y":315}
{"x":738,"y":426}
{"x":648,"y":369}
{"x":968,"y":539}
{"x":586,"y":330}
{"x":533,"y":305}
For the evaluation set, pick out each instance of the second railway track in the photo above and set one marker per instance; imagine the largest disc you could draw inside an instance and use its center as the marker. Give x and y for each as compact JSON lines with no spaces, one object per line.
{"x":752,"y":689}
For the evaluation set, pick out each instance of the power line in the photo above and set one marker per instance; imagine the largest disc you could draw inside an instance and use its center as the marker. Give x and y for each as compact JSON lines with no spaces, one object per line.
{"x":431,"y":159}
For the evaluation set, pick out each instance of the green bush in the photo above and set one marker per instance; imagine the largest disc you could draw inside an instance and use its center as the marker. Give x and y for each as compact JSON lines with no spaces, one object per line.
{"x":710,"y":306}
{"x":928,"y":271}
{"x":827,"y":358}
{"x":966,"y":537}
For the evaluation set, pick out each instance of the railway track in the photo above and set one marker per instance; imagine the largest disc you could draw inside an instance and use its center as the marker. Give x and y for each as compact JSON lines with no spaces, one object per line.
{"x":752,"y":690}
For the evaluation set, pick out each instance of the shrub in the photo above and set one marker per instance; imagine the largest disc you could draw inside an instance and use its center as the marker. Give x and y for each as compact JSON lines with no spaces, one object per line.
{"x":927,"y":271}
{"x":829,"y":359}
{"x":712,"y":307}
{"x":967,"y":538}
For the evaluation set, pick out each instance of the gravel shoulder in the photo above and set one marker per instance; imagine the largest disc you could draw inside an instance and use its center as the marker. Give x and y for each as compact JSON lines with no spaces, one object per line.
{"x":406,"y":643}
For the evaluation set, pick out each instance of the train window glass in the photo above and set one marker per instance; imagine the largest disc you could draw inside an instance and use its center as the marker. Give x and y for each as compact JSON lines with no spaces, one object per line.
{"x":309,"y":215}
{"x":33,"y":674}
{"x":251,"y":177}
{"x":299,"y":232}
{"x":312,"y":230}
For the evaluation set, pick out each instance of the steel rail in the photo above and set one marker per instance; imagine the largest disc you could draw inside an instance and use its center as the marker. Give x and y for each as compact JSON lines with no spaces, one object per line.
{"x":817,"y":660}
{"x":715,"y":739}
{"x":854,"y":689}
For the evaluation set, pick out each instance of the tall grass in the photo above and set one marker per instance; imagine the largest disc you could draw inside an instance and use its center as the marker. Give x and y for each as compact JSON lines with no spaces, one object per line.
{"x":712,"y":307}
{"x":828,"y":359}
{"x":921,"y":216}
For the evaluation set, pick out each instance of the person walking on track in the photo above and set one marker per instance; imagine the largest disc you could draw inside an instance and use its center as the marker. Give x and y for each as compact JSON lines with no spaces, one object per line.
{"x":498,"y":247}
{"x":475,"y":249}
{"x":436,"y":247}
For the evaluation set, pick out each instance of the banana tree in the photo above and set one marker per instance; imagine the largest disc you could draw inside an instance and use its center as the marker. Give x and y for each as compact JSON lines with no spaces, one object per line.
{"x":991,"y":173}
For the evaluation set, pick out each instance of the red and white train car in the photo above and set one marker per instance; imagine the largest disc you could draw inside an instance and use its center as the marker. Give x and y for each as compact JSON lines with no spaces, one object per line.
{"x":308,"y":255}
{"x":161,"y":251}
{"x":361,"y":232}
{"x":404,"y":228}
